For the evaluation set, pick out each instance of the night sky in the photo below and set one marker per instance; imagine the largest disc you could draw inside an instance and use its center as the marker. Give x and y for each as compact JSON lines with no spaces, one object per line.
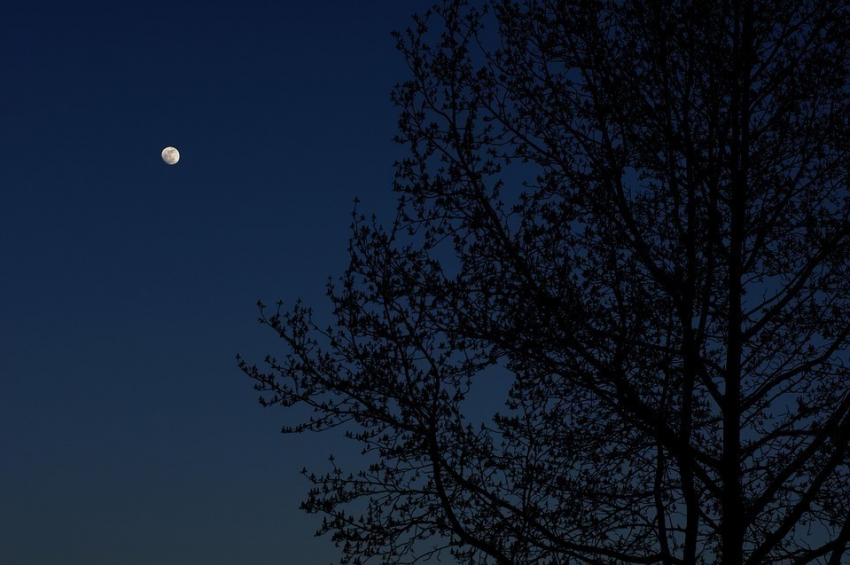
{"x":128,"y":286}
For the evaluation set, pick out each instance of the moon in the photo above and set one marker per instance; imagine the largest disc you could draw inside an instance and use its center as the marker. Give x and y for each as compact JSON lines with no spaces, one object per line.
{"x":170,"y":155}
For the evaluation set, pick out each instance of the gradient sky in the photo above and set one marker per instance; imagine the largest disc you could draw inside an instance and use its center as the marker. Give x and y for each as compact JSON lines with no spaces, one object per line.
{"x":127,"y":433}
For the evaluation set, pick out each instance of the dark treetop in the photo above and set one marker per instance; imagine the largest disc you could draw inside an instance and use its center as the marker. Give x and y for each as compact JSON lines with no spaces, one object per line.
{"x":637,"y":213}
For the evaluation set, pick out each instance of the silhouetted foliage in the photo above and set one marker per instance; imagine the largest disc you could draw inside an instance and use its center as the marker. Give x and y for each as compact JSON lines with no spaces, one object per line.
{"x":639,"y":211}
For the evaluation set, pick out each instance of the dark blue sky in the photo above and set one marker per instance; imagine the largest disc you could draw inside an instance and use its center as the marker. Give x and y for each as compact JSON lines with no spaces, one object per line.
{"x":128,"y":434}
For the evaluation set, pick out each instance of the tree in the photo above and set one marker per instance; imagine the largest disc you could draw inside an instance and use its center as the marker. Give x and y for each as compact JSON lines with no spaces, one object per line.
{"x":639,"y":208}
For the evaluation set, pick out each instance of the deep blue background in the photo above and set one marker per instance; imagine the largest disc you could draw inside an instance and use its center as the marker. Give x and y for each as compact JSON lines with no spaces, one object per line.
{"x":127,"y":286}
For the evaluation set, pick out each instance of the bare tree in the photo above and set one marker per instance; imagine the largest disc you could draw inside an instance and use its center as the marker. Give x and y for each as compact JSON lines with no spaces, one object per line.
{"x":639,"y":208}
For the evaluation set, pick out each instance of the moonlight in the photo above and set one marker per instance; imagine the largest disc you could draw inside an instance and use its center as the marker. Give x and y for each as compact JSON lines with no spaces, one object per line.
{"x":170,"y":155}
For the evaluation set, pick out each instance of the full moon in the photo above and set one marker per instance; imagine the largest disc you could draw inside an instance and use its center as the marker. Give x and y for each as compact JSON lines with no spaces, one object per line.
{"x":170,"y":155}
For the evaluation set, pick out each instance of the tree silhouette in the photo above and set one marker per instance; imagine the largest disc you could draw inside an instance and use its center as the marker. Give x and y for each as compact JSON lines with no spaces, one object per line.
{"x":639,"y":210}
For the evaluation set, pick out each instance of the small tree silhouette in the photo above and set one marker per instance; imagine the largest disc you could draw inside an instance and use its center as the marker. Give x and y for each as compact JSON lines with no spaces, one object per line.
{"x":640,"y":210}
